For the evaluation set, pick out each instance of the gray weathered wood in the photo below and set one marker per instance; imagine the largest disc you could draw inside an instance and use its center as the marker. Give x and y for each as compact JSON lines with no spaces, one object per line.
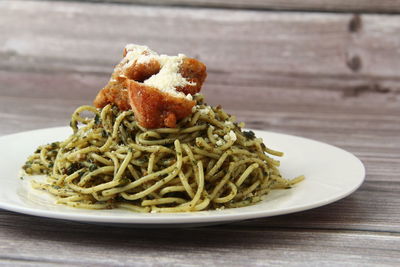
{"x":237,"y":245}
{"x":382,"y":6}
{"x":311,"y":50}
{"x":295,"y":73}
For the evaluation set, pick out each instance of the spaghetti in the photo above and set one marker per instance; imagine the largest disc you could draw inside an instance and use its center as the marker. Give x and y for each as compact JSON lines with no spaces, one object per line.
{"x":110,"y":161}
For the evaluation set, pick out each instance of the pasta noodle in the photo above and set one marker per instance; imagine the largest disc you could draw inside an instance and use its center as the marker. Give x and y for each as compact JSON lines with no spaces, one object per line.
{"x":110,"y":161}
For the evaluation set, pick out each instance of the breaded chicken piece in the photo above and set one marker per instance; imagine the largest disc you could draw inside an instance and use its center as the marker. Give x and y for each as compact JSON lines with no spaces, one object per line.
{"x":156,"y":109}
{"x":195,"y":72}
{"x":158,"y":88}
{"x":114,"y":93}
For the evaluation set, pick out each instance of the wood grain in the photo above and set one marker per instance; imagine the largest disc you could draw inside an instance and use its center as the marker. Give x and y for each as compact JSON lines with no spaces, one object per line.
{"x":268,"y":50}
{"x":270,"y":43}
{"x":237,"y":245}
{"x":330,"y":77}
{"x":382,"y":6}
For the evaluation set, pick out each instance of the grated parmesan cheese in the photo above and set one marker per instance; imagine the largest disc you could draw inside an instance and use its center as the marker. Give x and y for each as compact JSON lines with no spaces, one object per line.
{"x":137,"y":54}
{"x":229,"y":123}
{"x":220,"y":142}
{"x":189,"y":97}
{"x":230,"y":136}
{"x":206,"y":110}
{"x":168,"y":78}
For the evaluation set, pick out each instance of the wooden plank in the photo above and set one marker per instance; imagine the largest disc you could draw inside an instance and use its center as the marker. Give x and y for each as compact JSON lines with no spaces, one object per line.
{"x":310,"y":45}
{"x":239,"y":244}
{"x":226,"y":89}
{"x":383,"y":6}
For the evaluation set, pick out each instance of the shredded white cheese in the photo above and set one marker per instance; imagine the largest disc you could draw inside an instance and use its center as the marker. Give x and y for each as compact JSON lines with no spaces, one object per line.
{"x":231,"y":136}
{"x":168,"y":78}
{"x":206,"y":110}
{"x":189,"y":97}
{"x":137,"y":54}
{"x":220,"y":142}
{"x":229,"y":123}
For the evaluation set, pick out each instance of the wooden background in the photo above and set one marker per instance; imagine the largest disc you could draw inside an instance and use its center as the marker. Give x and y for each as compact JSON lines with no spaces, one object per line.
{"x":327,"y":70}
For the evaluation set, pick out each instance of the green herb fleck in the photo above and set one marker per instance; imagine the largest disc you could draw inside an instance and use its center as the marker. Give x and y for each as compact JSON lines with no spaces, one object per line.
{"x":54,"y":145}
{"x":97,"y":119}
{"x":73,"y":168}
{"x":92,"y":167}
{"x":73,"y":124}
{"x":249,"y":135}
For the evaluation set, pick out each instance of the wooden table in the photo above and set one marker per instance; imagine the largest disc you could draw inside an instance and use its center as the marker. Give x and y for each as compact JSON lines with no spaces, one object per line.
{"x":312,"y":69}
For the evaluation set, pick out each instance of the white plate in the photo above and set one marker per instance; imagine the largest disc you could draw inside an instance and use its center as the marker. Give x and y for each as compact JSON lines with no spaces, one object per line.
{"x":331,"y":174}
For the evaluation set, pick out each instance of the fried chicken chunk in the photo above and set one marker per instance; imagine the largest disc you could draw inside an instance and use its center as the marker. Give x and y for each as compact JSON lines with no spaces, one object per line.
{"x":115,"y":92}
{"x":195,"y":72}
{"x":155,"y":109}
{"x":158,"y":88}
